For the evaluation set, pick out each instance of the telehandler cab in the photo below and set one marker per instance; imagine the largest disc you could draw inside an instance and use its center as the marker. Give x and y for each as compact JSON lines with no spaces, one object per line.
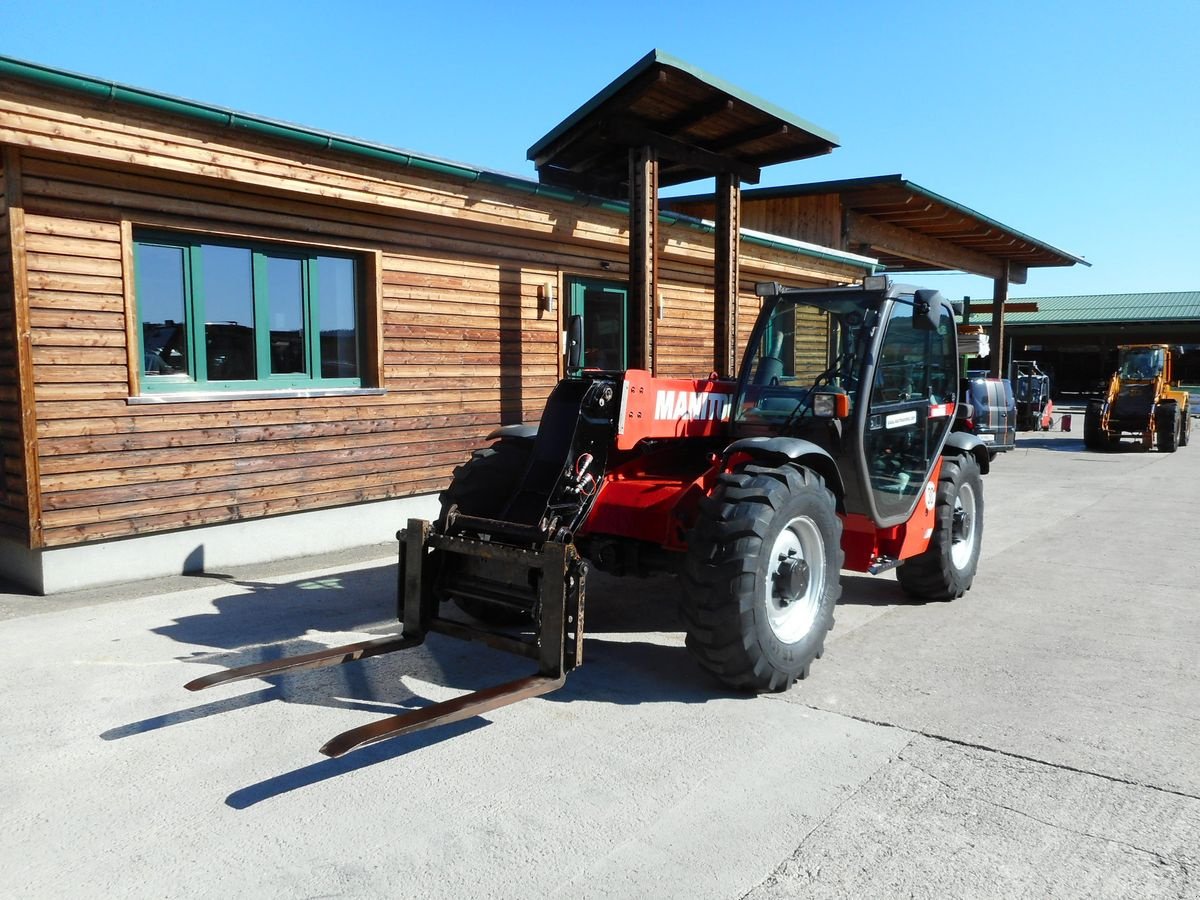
{"x":757,"y":492}
{"x":1140,"y":402}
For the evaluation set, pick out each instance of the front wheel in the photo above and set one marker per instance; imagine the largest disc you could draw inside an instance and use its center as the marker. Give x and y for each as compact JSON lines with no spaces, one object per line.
{"x":1094,"y":437}
{"x":947,"y":567}
{"x":1168,"y":425}
{"x":762,"y":575}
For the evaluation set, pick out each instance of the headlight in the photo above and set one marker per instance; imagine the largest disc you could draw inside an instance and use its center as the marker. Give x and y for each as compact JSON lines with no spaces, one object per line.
{"x":830,"y":405}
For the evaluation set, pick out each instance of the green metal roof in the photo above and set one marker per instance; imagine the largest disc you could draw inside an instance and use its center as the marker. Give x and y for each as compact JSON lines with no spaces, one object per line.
{"x":1087,"y":309}
{"x":658,"y":57}
{"x":110,"y":91}
{"x":675,"y":101}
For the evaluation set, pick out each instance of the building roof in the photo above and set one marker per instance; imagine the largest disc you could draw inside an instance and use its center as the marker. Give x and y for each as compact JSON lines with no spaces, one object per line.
{"x":111,"y":92}
{"x":699,"y":124}
{"x":1087,"y":309}
{"x":907,"y":227}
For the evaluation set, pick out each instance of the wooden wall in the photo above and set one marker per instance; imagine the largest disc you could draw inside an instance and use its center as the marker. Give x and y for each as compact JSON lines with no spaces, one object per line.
{"x":464,"y":345}
{"x":816,"y":219}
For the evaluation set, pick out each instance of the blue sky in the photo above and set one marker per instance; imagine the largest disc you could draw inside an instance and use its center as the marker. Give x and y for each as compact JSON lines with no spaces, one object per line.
{"x":1075,"y":122}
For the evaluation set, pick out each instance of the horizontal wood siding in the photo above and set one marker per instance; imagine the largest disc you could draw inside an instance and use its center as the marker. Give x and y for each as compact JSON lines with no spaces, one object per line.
{"x":815,"y":219}
{"x":465,"y":344}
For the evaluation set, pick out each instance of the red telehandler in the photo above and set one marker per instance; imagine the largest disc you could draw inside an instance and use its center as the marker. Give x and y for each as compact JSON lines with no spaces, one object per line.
{"x":757,"y":492}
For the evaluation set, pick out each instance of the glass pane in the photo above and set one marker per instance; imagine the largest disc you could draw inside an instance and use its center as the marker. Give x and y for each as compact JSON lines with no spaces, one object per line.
{"x":161,"y":304}
{"x":285,"y":313}
{"x":229,"y":313}
{"x":896,"y":440}
{"x":603,"y":329}
{"x":337,"y":300}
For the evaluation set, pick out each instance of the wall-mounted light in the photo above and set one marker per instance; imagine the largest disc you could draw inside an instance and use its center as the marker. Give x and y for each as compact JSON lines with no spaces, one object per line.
{"x":548,"y":298}
{"x":661,"y":306}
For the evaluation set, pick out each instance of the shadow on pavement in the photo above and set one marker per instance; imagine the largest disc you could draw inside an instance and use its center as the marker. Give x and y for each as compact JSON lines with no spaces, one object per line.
{"x":871,"y":590}
{"x":266,"y":621}
{"x":1063,"y":445}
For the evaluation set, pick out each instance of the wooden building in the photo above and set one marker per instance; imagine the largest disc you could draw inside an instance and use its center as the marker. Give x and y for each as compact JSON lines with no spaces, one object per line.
{"x":1075,"y":338}
{"x":224,"y":338}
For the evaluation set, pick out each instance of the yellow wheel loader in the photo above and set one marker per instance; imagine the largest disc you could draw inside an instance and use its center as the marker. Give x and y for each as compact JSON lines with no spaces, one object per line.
{"x":1141,"y":402}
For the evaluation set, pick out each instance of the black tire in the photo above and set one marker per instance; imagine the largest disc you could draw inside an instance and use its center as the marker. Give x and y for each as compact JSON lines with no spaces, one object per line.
{"x":1167,"y":424}
{"x":1185,"y":428}
{"x":762,"y":576}
{"x":1093,"y":436}
{"x":482,"y":486}
{"x":947,"y":568}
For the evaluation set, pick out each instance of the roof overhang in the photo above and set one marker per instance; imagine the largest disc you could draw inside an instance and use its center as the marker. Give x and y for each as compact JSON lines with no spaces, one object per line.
{"x":699,"y":126}
{"x":909,"y":228}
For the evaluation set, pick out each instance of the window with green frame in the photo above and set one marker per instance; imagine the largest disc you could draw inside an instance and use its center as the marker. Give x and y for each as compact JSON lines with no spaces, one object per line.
{"x":228,"y":315}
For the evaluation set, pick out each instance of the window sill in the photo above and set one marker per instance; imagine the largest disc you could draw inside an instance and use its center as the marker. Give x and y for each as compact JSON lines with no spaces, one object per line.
{"x":286,"y":394}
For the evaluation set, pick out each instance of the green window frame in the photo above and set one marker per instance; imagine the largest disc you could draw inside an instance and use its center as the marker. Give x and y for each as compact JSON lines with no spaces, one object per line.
{"x":216,"y":314}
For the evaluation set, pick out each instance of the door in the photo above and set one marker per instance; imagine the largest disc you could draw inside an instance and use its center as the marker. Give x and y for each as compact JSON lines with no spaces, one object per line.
{"x":907,"y":416}
{"x":604,"y":308}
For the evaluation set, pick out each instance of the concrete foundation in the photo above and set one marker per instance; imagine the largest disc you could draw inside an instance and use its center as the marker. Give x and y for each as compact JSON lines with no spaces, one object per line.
{"x":61,"y":569}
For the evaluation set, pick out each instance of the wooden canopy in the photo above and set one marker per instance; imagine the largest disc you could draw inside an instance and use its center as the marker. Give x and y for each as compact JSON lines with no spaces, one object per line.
{"x":661,"y":123}
{"x":906,"y":227}
{"x":699,"y":126}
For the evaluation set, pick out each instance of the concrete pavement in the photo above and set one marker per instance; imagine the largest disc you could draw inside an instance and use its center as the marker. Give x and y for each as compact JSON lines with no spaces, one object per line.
{"x":1038,"y":737}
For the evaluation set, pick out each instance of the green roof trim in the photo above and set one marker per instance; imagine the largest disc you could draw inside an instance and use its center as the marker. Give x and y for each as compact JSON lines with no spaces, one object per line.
{"x":1099,"y":309}
{"x":657,"y":57}
{"x":214,"y":115}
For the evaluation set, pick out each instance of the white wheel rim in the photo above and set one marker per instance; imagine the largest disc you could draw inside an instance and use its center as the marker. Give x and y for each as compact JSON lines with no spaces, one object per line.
{"x":791,"y":614}
{"x":964,"y":531}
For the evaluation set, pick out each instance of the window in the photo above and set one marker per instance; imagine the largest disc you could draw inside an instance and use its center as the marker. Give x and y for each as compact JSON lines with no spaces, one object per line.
{"x":223,"y":315}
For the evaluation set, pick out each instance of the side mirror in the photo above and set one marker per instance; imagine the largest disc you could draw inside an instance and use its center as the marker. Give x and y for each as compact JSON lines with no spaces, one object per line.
{"x":927,"y":309}
{"x":574,"y":343}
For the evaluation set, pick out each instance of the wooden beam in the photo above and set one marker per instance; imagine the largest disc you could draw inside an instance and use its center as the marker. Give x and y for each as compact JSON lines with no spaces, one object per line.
{"x":15,"y":205}
{"x":643,"y":255}
{"x":887,"y":238}
{"x":771,"y":129}
{"x":725,"y":273}
{"x":999,"y":301}
{"x":634,"y":134}
{"x":695,"y":115}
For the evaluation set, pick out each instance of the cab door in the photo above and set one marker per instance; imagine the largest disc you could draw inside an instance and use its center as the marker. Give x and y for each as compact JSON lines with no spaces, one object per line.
{"x":908,"y":413}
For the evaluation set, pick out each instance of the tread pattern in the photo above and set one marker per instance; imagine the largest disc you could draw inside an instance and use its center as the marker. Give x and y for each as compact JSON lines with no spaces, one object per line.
{"x":932,"y":575}
{"x":722,"y":598}
{"x":1167,"y":424}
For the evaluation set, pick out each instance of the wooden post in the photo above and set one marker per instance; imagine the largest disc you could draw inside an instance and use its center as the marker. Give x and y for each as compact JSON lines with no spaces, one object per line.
{"x":15,"y":205}
{"x":725,"y":272}
{"x":999,"y":298}
{"x":643,"y":255}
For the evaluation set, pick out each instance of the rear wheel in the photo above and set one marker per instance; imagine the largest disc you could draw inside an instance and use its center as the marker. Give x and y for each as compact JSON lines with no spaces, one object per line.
{"x":763,"y":573}
{"x":1167,"y":424}
{"x":482,"y":487}
{"x":1185,"y":428}
{"x":947,"y":567}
